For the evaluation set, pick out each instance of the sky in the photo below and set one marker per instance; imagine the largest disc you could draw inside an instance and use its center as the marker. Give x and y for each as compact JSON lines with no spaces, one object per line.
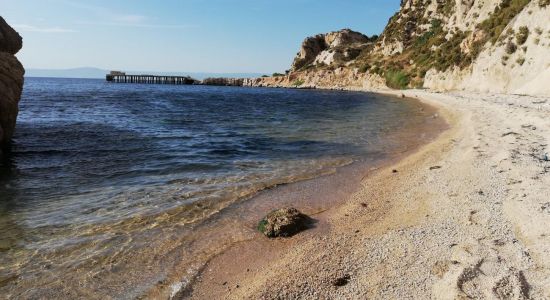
{"x":260,"y":36}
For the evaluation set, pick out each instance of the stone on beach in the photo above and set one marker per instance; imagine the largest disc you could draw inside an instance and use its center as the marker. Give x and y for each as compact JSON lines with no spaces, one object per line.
{"x":283,"y":222}
{"x":341,"y":281}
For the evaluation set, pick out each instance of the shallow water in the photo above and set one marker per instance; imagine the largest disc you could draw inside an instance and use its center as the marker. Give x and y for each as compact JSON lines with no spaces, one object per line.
{"x":111,"y":185}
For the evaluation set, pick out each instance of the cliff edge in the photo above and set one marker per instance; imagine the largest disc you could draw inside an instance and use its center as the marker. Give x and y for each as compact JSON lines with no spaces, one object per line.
{"x":11,"y":81}
{"x":497,"y":46}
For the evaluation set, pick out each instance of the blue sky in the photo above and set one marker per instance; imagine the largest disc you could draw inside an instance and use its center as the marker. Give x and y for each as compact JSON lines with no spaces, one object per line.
{"x":181,"y":35}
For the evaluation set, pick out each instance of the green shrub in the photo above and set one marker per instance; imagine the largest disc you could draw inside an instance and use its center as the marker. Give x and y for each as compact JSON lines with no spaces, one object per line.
{"x":522,"y":35}
{"x":397,"y":79}
{"x":261,"y":225}
{"x":376,"y":70}
{"x":507,"y":35}
{"x":504,"y":59}
{"x":501,"y":17}
{"x":544,"y":3}
{"x":428,"y":37}
{"x":450,"y":54}
{"x":298,"y":82}
{"x":277,"y":74}
{"x":364,"y":68}
{"x":352,"y":54}
{"x":520,"y":61}
{"x":511,"y":48}
{"x":446,"y":7}
{"x":300,"y":63}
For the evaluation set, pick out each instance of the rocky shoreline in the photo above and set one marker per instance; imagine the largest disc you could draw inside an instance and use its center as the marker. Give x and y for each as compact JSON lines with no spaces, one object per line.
{"x":11,"y":82}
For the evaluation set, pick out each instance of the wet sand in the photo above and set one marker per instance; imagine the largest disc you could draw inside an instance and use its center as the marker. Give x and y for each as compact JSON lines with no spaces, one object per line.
{"x":465,"y":216}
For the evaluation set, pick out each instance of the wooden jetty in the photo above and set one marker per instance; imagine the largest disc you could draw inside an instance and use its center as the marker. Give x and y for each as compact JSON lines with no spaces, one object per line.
{"x":121,"y":77}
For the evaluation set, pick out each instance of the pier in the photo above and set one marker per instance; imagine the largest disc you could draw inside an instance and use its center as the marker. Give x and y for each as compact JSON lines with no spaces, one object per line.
{"x":121,"y":77}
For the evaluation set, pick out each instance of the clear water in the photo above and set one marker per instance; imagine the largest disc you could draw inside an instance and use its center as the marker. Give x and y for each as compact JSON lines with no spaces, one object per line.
{"x":93,"y":161}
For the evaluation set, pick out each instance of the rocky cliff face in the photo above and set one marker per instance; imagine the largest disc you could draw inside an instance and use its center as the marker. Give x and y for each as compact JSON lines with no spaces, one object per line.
{"x":338,"y":47}
{"x":514,"y":56}
{"x":480,"y":45}
{"x":11,"y":81}
{"x":341,"y":78}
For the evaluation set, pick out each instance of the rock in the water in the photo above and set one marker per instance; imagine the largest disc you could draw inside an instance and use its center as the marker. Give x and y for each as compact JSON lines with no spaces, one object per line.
{"x":283,"y":223}
{"x":11,"y":81}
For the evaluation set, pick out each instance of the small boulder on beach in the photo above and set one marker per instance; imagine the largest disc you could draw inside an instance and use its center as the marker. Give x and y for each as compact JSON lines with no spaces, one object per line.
{"x":341,"y":281}
{"x":284,"y":222}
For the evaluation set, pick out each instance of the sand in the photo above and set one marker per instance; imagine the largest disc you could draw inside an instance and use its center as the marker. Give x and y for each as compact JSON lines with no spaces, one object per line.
{"x":466,"y":216}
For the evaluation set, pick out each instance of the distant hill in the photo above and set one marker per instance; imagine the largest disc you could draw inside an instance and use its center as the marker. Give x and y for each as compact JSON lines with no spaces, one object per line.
{"x":100,"y":73}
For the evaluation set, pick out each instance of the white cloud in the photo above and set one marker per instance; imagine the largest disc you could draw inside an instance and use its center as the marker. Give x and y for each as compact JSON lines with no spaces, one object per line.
{"x":31,"y":28}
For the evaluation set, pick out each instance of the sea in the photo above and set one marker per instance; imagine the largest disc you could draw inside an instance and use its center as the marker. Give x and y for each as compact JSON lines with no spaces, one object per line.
{"x":112,"y":189}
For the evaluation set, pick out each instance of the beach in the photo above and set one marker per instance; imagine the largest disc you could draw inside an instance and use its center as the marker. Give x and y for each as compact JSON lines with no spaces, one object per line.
{"x":130,"y":198}
{"x":465,"y":216}
{"x":188,"y":151}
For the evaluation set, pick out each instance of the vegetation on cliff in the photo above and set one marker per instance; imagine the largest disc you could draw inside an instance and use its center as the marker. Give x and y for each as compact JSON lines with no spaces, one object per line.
{"x":439,"y":47}
{"x":397,"y":79}
{"x":422,"y":36}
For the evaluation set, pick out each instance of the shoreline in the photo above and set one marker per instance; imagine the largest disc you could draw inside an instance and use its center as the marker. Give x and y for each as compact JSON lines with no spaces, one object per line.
{"x":113,"y":263}
{"x":315,"y":196}
{"x":444,"y":226}
{"x":242,"y":253}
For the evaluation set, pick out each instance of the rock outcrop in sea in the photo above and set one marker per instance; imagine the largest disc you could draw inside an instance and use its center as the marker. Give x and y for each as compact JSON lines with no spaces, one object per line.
{"x":497,"y":46}
{"x":11,"y":82}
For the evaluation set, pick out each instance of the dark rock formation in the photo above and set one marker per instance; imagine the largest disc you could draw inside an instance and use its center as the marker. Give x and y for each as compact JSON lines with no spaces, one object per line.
{"x":10,"y":40}
{"x":284,"y":223}
{"x":222,"y":81}
{"x":11,"y":81}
